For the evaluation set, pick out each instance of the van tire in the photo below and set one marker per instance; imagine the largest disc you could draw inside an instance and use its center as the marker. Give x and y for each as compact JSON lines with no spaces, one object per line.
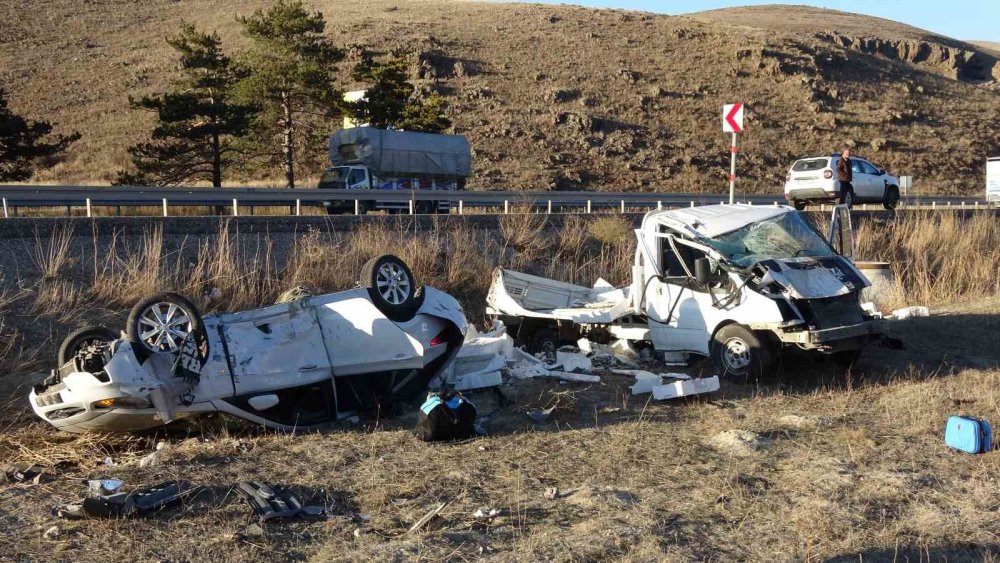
{"x":891,"y":198}
{"x":742,"y":354}
{"x":799,"y":205}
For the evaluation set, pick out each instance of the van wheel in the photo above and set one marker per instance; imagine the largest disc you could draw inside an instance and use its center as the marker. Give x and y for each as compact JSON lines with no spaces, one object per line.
{"x":83,"y":337}
{"x":391,"y":287}
{"x":740,"y":353}
{"x":799,"y":205}
{"x":891,"y":199}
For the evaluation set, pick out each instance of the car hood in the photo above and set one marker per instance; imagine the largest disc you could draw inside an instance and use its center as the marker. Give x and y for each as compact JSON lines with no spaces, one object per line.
{"x":814,"y":278}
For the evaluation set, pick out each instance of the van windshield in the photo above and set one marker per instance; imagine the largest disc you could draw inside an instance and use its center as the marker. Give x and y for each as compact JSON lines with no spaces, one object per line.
{"x":788,"y":235}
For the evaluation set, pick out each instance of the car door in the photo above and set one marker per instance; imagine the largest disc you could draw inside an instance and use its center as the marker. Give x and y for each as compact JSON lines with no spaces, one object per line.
{"x":676,"y":311}
{"x":275,"y":347}
{"x":876,"y":181}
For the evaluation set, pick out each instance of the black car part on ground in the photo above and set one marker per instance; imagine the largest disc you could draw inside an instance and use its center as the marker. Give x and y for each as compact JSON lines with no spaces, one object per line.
{"x":270,"y":501}
{"x":123,"y":505}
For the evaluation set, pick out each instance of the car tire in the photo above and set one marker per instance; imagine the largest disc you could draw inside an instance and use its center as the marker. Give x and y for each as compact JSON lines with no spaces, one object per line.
{"x":155,"y":326}
{"x":82,"y":337}
{"x":847,"y":198}
{"x":392,"y":288}
{"x":799,"y":205}
{"x":742,"y":354}
{"x":891,"y":198}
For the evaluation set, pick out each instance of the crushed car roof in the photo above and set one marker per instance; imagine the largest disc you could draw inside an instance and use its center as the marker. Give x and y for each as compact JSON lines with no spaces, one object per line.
{"x":715,"y":220}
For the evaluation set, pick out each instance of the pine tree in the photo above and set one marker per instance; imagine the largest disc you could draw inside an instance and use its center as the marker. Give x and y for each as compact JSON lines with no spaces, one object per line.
{"x":198,"y":123}
{"x":389,"y":99}
{"x":291,"y":78}
{"x":22,"y":144}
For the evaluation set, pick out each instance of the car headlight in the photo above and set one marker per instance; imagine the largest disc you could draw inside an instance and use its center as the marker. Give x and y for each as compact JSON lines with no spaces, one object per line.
{"x":123,"y":403}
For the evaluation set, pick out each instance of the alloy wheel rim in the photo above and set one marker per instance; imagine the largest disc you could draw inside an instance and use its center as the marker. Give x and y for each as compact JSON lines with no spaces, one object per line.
{"x":392,"y":283}
{"x":163,"y":327}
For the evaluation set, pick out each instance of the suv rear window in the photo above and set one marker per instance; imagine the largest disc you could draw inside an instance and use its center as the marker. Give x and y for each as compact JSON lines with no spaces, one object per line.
{"x":810,"y":165}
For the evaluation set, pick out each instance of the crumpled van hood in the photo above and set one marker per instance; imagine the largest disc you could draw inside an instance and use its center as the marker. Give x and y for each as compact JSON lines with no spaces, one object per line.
{"x":814,"y":278}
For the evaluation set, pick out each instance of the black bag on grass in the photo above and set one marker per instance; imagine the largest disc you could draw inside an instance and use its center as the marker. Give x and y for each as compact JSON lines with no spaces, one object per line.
{"x":446,"y":417}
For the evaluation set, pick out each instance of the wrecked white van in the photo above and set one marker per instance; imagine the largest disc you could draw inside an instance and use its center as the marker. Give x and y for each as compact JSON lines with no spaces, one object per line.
{"x":737,"y":283}
{"x":298,"y":364}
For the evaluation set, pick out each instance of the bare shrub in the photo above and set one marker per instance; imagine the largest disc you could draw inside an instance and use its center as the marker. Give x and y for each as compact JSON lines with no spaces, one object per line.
{"x":53,"y":256}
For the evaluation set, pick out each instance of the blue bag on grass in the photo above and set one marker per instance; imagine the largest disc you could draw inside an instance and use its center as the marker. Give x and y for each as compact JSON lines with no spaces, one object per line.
{"x":968,"y":434}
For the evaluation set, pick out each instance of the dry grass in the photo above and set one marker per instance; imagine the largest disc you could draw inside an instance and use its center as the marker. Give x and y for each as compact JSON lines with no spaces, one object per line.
{"x":936,"y":257}
{"x":853,"y":464}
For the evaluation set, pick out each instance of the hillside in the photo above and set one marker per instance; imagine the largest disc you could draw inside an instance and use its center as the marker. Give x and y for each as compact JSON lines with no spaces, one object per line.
{"x":562,"y":97}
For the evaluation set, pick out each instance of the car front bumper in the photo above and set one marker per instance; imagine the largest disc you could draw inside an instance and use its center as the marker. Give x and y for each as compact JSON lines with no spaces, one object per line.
{"x":829,"y":339}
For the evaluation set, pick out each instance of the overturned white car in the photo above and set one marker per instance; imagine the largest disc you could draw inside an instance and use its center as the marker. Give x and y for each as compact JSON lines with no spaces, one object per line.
{"x":302,"y":363}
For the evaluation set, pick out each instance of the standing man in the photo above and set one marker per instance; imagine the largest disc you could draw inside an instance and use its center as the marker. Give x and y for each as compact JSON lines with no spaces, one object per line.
{"x":846,"y":175}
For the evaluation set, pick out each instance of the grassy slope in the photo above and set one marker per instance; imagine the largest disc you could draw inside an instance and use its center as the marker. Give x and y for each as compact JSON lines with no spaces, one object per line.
{"x":643,"y":91}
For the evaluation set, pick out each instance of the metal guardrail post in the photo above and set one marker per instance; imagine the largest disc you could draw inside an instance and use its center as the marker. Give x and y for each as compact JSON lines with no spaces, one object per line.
{"x":588,"y":206}
{"x":236,"y":208}
{"x":5,"y":208}
{"x":411,"y":206}
{"x":357,"y":207}
{"x":164,"y":207}
{"x":298,"y":207}
{"x":506,"y":207}
{"x":549,"y":209}
{"x":623,"y":206}
{"x":460,"y":210}
{"x":88,"y":207}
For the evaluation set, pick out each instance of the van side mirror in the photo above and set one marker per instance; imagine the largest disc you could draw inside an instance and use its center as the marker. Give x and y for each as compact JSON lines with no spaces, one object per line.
{"x":702,"y":270}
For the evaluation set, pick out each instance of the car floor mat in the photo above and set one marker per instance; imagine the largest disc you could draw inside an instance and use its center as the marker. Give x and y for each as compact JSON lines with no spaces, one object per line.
{"x":269,"y":502}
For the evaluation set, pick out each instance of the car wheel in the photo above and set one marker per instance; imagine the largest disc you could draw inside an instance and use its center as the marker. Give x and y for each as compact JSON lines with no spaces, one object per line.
{"x":83,"y":337}
{"x":159,"y":325}
{"x":740,"y":353}
{"x":891,"y":199}
{"x":391,"y":287}
{"x":847,"y":198}
{"x":799,"y":205}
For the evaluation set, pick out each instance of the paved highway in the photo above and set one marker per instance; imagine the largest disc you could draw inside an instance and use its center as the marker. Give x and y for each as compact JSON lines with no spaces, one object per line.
{"x":15,"y":196}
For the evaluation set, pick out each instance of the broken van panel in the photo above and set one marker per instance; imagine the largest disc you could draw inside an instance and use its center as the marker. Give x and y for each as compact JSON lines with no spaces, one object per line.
{"x":302,"y":363}
{"x":734,"y":282}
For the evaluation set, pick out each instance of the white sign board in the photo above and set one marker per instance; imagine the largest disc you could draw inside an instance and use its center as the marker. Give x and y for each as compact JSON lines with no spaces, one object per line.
{"x":993,"y":179}
{"x":732,"y":118}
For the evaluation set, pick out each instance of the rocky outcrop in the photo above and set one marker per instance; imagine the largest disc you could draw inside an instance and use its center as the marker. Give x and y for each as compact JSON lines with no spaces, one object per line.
{"x":967,"y":65}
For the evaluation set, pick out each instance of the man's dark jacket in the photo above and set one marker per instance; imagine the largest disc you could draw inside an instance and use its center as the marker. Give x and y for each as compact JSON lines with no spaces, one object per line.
{"x":844,"y":172}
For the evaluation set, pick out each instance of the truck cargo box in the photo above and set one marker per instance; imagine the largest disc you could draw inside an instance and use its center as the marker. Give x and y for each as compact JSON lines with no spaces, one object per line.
{"x":402,"y":153}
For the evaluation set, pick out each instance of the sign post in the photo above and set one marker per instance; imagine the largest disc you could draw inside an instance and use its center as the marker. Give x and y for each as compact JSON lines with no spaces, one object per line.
{"x":732,"y":122}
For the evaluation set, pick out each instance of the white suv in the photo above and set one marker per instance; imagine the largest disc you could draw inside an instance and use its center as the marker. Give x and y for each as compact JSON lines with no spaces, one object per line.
{"x":814,"y":179}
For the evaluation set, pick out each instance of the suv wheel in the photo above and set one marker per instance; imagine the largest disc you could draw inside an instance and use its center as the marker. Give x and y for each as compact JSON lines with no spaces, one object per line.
{"x":891,"y":199}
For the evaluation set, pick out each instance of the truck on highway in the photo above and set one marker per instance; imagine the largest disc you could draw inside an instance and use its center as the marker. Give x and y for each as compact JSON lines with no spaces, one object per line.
{"x":738,"y":283}
{"x":993,"y":180}
{"x":368,"y":158}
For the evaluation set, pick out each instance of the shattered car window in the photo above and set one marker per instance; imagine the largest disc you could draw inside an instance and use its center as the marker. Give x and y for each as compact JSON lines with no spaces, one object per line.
{"x":786,"y":236}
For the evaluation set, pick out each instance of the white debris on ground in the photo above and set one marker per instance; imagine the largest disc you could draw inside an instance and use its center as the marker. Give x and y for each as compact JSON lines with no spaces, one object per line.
{"x":910,"y":312}
{"x":738,"y":443}
{"x":648,"y":382}
{"x":485,"y":358}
